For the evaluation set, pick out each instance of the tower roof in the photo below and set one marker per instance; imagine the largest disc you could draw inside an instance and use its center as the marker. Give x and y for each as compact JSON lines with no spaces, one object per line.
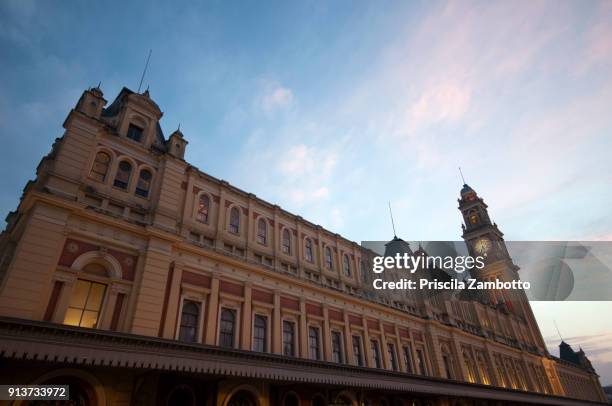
{"x":467,"y":189}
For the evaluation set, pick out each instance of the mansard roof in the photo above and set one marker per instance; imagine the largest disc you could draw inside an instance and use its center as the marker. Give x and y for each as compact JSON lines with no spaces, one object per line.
{"x":115,"y":107}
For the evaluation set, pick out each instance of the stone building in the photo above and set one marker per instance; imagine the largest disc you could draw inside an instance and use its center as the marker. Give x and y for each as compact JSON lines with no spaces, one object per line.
{"x":138,"y":279}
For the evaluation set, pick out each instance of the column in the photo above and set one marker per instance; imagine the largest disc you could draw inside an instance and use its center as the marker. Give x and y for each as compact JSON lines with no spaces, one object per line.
{"x":303,"y":331}
{"x":247,"y":321}
{"x":173,"y":304}
{"x":326,"y":334}
{"x":348,"y":341}
{"x":212,"y":311}
{"x":400,"y":351}
{"x":277,"y":342}
{"x":367,"y":350}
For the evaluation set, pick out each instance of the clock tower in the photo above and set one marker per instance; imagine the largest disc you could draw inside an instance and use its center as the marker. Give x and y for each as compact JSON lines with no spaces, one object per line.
{"x":483,"y":238}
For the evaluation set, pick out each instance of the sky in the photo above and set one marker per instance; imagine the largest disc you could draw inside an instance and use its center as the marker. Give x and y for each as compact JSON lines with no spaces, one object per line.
{"x":332,"y":109}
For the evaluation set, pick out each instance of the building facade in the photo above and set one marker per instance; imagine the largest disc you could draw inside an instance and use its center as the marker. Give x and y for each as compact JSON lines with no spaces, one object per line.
{"x":138,"y":279}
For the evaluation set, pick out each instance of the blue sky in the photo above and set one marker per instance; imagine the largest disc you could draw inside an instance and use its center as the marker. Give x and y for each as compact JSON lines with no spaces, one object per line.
{"x":331,"y":109}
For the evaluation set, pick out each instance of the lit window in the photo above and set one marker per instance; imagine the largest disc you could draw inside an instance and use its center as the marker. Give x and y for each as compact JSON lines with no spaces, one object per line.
{"x":100,"y":167}
{"x":227,"y":328}
{"x":203,"y":208}
{"x":336,"y":337}
{"x":262,"y":231}
{"x":260,"y":333}
{"x":144,"y":183}
{"x":190,"y":317}
{"x":357,"y":351}
{"x":288,"y":338}
{"x":328,"y":258}
{"x":122,"y":178}
{"x":286,"y":242}
{"x":346,"y":265}
{"x":375,"y":353}
{"x":308,"y":255}
{"x":234,"y":223}
{"x":134,"y":132}
{"x":314,"y":345}
{"x":392,"y":356}
{"x":85,"y":304}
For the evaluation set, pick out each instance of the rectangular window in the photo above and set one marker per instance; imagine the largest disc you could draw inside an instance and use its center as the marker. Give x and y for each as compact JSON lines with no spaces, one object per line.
{"x":392,"y":356}
{"x":190,"y":319}
{"x":357,"y":354}
{"x":288,"y":338}
{"x":85,"y":304}
{"x":260,"y":339}
{"x":375,"y":354}
{"x":336,"y":337}
{"x":408,"y":358}
{"x":447,"y":366}
{"x":227,"y":329}
{"x":134,"y":133}
{"x":314,"y":345}
{"x":421,"y":366}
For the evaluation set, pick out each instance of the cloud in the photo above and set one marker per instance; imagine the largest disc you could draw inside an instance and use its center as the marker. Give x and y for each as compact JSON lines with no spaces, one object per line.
{"x":441,"y":102}
{"x":276,"y":97}
{"x":306,"y":171}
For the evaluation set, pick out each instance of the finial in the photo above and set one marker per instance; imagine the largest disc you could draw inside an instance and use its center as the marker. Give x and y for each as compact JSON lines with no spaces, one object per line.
{"x":99,"y":83}
{"x":179,"y":128}
{"x":392,"y":222}
{"x":462,"y":178}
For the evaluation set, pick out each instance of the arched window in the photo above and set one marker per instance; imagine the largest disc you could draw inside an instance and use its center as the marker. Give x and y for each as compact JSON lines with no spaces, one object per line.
{"x":181,"y":395}
{"x":242,"y":398}
{"x":203,"y":208}
{"x":364,"y":272}
{"x":291,"y":400}
{"x":329,"y":263}
{"x":346,"y":265}
{"x":234,"y":223}
{"x":286,"y":242}
{"x":308,"y":254}
{"x":190,"y":317}
{"x":227,"y":328}
{"x":85,"y":304}
{"x":144,"y":183}
{"x":122,"y":178}
{"x":262,"y":231}
{"x":99,"y":170}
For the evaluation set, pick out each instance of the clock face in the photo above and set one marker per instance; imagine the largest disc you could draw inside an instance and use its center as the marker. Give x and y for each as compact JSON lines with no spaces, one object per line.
{"x":482,"y":246}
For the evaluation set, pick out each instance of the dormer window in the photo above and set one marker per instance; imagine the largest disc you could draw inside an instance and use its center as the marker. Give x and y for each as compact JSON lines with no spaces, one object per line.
{"x":135,"y":133}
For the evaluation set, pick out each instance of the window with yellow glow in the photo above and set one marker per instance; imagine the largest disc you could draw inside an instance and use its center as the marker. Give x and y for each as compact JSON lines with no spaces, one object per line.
{"x":85,"y":304}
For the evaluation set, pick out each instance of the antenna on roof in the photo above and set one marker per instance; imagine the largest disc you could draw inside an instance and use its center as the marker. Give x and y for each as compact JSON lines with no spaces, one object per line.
{"x":144,"y":70}
{"x":392,"y":222}
{"x":558,"y":332}
{"x":462,"y":175}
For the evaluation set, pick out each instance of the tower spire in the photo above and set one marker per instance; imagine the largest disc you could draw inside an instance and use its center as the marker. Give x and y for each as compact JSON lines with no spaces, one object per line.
{"x":461,"y":173}
{"x":144,"y":71}
{"x":392,"y":222}
{"x":558,"y":332}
